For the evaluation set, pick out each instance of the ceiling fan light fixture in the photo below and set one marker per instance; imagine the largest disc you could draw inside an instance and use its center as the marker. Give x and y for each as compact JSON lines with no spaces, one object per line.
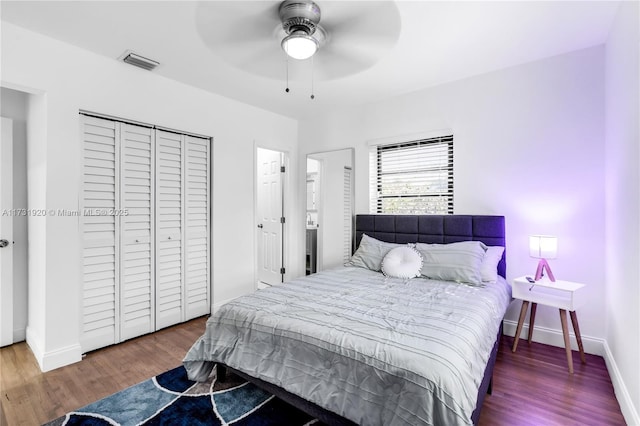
{"x":299,"y":45}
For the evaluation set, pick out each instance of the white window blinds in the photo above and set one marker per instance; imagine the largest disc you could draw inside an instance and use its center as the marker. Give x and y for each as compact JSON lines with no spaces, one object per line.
{"x":412,"y":177}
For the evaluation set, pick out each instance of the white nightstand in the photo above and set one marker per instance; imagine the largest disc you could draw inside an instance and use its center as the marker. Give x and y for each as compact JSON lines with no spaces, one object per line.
{"x":564,"y":295}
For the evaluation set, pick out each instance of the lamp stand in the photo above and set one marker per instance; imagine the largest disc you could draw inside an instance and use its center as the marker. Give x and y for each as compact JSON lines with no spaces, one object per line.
{"x":542,"y":265}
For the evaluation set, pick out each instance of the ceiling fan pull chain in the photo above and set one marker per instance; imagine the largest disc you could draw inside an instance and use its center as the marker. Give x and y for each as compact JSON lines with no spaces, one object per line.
{"x":312,"y":95}
{"x":287,"y":89}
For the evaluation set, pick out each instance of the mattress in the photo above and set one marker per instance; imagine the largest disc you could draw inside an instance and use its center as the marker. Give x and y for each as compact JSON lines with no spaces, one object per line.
{"x":373,"y":349}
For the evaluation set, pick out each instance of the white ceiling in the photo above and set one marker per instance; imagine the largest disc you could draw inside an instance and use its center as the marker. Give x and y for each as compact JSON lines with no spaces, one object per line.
{"x":425,"y":43}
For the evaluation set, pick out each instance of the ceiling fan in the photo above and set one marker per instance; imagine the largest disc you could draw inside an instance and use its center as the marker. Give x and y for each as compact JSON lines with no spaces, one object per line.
{"x":300,"y":20}
{"x":342,"y":37}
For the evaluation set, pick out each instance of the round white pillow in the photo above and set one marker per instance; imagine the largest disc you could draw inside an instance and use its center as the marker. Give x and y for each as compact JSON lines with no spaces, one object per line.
{"x":402,"y":262}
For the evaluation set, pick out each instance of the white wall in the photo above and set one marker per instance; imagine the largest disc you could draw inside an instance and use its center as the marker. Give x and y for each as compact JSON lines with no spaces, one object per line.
{"x":67,"y":79}
{"x":623,"y":205}
{"x":529,"y":145}
{"x":14,"y":106}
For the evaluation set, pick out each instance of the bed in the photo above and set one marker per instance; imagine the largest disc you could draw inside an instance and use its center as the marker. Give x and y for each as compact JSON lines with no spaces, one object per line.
{"x":353,"y":345}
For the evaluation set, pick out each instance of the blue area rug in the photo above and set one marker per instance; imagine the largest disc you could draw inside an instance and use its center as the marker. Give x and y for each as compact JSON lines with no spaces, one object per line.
{"x":172,"y":399}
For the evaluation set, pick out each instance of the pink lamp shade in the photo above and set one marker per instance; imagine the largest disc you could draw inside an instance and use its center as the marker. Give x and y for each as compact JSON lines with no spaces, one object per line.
{"x":543,"y":247}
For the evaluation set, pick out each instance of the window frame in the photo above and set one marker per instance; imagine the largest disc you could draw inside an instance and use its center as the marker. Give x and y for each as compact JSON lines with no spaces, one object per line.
{"x":376,"y":174}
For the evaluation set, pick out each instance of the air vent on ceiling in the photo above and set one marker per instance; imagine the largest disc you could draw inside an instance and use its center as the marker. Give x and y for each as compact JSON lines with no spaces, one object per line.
{"x":139,"y":61}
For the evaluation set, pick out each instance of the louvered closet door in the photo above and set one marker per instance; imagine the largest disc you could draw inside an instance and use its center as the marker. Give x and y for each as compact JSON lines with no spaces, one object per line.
{"x":169,"y":228}
{"x":137,"y":281}
{"x":145,"y":230}
{"x":197,"y":190}
{"x":100,"y":233}
{"x":347,"y":232}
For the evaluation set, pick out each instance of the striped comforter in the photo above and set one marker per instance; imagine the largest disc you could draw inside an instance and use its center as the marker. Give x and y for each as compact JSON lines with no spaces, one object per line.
{"x":376,"y":350}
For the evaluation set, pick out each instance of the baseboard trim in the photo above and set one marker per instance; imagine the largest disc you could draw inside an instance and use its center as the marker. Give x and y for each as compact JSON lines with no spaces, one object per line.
{"x":629,"y":412}
{"x":61,"y":357}
{"x":19,"y":335}
{"x":260,"y":285}
{"x":51,"y":360}
{"x":553,"y":337}
{"x":32,"y":339}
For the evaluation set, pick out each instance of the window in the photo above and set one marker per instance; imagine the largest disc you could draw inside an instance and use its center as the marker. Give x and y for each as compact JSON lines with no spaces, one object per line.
{"x":412,"y":177}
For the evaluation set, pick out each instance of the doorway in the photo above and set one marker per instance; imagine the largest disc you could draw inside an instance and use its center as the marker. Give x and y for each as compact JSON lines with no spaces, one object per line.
{"x":6,"y":232}
{"x":270,"y":182}
{"x":13,"y":216}
{"x":329,"y":219}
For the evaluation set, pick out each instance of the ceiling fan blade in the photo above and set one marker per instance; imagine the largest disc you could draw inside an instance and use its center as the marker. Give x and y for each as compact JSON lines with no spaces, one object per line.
{"x":378,"y":21}
{"x":332,"y":63}
{"x":244,"y":34}
{"x":359,"y":34}
{"x":222,"y":23}
{"x":265,"y":64}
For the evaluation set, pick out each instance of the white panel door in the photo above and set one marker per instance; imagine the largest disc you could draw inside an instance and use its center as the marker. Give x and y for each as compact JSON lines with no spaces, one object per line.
{"x":100,"y":233}
{"x":269,"y":212}
{"x":197,"y":202}
{"x":169,"y":228}
{"x":6,"y":232}
{"x":137,"y":282}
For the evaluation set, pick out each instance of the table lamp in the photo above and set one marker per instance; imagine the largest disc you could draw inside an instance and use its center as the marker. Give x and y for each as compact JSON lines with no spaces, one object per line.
{"x":543,"y":247}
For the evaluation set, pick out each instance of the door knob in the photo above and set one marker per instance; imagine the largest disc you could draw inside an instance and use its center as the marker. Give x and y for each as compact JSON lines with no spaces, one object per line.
{"x":260,"y":226}
{"x":4,"y":243}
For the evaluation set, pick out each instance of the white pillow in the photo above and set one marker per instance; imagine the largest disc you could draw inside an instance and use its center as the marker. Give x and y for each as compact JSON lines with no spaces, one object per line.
{"x":402,"y":262}
{"x":459,"y":262}
{"x":489,"y":267}
{"x":371,"y":252}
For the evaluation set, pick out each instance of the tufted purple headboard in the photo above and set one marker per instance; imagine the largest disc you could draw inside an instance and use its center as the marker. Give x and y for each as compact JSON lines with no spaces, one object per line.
{"x":434,"y":229}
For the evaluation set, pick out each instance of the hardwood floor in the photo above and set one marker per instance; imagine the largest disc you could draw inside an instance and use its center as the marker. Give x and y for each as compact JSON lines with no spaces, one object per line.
{"x":32,"y":398}
{"x":533,"y":387}
{"x":530,"y":387}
